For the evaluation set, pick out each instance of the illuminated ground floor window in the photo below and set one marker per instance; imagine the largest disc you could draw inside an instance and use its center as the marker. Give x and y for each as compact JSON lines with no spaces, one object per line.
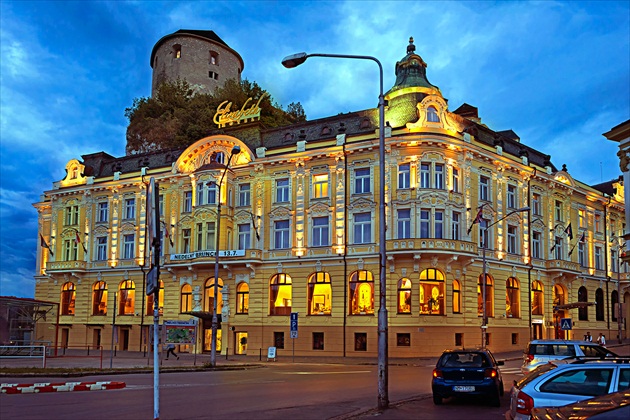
{"x":403,"y":340}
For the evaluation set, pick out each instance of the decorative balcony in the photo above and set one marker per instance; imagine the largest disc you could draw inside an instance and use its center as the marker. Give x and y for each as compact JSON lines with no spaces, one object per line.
{"x":439,"y":246}
{"x":563,"y":266}
{"x":66,"y":266}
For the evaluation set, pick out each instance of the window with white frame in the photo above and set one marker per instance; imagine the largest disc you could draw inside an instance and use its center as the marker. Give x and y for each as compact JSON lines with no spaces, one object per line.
{"x":558,"y":210}
{"x":320,"y":185}
{"x":185,"y":241}
{"x":425,"y":175}
{"x":455,"y":180}
{"x":559,"y":248}
{"x":103,"y":212}
{"x":281,"y":234}
{"x":101,"y":248}
{"x":484,"y":235}
{"x":199,"y":241}
{"x":536,"y":244}
{"x":404,"y":224}
{"x":438,"y":176}
{"x":161,"y":205}
{"x":212,"y":191}
{"x":70,"y":250}
{"x":511,"y":196}
{"x":72,"y":215}
{"x":244,"y":195}
{"x":210,"y":235}
{"x":484,"y":188}
{"x":244,"y":236}
{"x":598,"y":223}
{"x":581,"y":254}
{"x":362,"y":181}
{"x":404,"y":176}
{"x":431,"y":223}
{"x":455,"y":226}
{"x":431,"y":171}
{"x":438,"y":228}
{"x":432,"y":115}
{"x":129,"y":246}
{"x":613,"y":261}
{"x":425,"y":223}
{"x":320,"y":231}
{"x":282,"y":190}
{"x":512,"y":247}
{"x":598,"y":258}
{"x":536,"y":204}
{"x":362,"y":228}
{"x":187,"y":202}
{"x":130,"y":208}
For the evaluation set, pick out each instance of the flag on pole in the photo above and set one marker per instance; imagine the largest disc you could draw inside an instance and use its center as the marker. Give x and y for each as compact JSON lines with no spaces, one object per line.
{"x":582,"y":238}
{"x":569,"y":231}
{"x":77,"y":239}
{"x":478,"y":219}
{"x":255,"y":227}
{"x":170,"y":240}
{"x":43,"y":243}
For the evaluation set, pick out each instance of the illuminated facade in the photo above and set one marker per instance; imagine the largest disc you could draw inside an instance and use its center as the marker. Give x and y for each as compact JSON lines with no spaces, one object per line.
{"x":299,"y":224}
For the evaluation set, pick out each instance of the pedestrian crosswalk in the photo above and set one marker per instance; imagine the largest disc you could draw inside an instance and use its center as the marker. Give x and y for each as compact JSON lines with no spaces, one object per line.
{"x":512,"y":371}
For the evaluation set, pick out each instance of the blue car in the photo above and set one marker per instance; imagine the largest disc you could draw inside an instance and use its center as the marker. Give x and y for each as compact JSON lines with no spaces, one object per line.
{"x":467,"y":373}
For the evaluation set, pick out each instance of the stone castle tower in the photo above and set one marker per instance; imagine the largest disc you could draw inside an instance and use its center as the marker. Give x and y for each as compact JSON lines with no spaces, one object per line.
{"x":200,"y":57}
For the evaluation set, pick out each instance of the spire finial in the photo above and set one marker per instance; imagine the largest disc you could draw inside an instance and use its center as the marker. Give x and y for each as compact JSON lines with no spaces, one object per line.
{"x":411,"y":48}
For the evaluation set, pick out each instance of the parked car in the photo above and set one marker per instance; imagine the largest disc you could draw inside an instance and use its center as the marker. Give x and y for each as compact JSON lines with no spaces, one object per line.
{"x":467,"y":372}
{"x":539,"y":352}
{"x":564,"y":382}
{"x":614,"y":406}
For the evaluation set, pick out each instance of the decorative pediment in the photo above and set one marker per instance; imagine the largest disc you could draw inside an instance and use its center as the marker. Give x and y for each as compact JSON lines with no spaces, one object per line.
{"x":433,"y":198}
{"x":75,"y":174}
{"x":433,"y":113}
{"x":362,"y":204}
{"x":203,"y":152}
{"x":319,"y":209}
{"x":204,"y":213}
{"x":280,"y":213}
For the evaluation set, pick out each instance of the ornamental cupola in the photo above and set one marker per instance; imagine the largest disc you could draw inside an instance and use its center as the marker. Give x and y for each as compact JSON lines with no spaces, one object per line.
{"x":410,"y":88}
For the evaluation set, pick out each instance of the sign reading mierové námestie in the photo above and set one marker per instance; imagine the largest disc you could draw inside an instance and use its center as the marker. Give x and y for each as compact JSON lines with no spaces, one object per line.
{"x":202,"y":254}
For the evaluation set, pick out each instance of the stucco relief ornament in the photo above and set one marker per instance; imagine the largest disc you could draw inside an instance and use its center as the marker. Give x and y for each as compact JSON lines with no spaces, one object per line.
{"x":623,"y":160}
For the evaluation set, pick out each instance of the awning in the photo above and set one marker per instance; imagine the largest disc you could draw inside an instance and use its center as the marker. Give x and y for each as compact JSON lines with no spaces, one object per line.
{"x":205,"y":315}
{"x":574,"y":305}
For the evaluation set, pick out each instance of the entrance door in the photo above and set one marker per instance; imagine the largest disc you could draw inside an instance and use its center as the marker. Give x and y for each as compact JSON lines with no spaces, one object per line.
{"x":65,"y":337}
{"x":241,"y":343}
{"x":96,"y":338}
{"x":125,"y":339}
{"x":207,"y":336}
{"x":537,"y":331}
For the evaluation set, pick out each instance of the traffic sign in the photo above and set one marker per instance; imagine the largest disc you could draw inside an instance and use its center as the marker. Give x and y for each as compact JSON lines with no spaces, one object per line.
{"x":152,"y":281}
{"x":566,"y":324}
{"x":294,"y":323}
{"x":294,"y":334}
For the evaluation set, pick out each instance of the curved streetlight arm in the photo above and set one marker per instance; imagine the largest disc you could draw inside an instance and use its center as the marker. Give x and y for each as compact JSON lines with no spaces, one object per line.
{"x":521,"y":210}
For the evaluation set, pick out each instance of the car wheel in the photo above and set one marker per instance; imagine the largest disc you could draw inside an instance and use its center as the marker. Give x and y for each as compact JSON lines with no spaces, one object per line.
{"x":437,"y":400}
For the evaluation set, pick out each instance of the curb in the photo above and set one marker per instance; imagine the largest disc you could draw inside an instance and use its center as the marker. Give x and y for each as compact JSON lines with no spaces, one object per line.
{"x":59,"y":387}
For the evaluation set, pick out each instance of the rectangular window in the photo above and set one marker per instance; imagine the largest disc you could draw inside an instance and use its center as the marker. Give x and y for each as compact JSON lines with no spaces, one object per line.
{"x":282,"y":190}
{"x":439,"y":225}
{"x":161,"y":205}
{"x":558,"y":248}
{"x":320,"y":185}
{"x":404,"y":176}
{"x":199,"y":236}
{"x":459,"y":339}
{"x":244,"y":236}
{"x":511,"y":240}
{"x":484,"y":235}
{"x":536,"y":204}
{"x":403,"y":340}
{"x":425,"y":223}
{"x":129,"y":246}
{"x":130,"y":208}
{"x":598,"y":258}
{"x":320,"y":231}
{"x":439,"y":176}
{"x":613,"y":261}
{"x":212,"y":193}
{"x":598,"y":223}
{"x":536,"y":245}
{"x":362,"y":228}
{"x":278,"y":339}
{"x":281,"y":231}
{"x":101,"y":248}
{"x":558,"y":211}
{"x":72,"y":215}
{"x":582,"y":218}
{"x":318,"y":341}
{"x":360,"y":341}
{"x":511,"y":196}
{"x":200,"y":194}
{"x":103,"y":212}
{"x":425,"y":175}
{"x":455,"y":225}
{"x":185,"y":241}
{"x":70,"y":250}
{"x":243,"y":195}
{"x":210,"y":238}
{"x":187,"y":202}
{"x":455,"y":180}
{"x":362,"y":181}
{"x":404,"y":224}
{"x":484,"y":187}
{"x":581,"y":255}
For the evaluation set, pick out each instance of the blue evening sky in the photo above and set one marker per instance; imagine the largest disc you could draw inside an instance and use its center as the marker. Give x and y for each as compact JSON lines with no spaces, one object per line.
{"x":557,"y":73}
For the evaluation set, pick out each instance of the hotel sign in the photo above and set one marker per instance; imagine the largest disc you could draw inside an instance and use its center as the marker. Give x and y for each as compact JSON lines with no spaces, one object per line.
{"x":202,"y":254}
{"x":225,"y":115}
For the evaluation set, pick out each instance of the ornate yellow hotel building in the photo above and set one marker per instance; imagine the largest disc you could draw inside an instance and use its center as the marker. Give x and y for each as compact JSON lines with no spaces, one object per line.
{"x":298,"y":233}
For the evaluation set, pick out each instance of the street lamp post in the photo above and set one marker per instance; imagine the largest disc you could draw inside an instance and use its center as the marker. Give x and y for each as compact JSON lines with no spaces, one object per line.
{"x":294,"y":61}
{"x":215,"y":321}
{"x":484,"y":233}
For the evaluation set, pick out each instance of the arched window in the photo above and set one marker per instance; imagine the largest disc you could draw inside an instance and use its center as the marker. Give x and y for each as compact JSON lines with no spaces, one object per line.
{"x":512,"y":301}
{"x":99,"y":298}
{"x":558,"y":295}
{"x":614,"y":300}
{"x":599,"y":304}
{"x":242,"y":298}
{"x":68,"y":296}
{"x":537,"y":298}
{"x":280,"y":294}
{"x":431,"y":292}
{"x":160,"y":301}
{"x":404,"y":296}
{"x":489,"y":296}
{"x":126,"y":298}
{"x":185,"y":301}
{"x":361,"y":293}
{"x":208,"y":293}
{"x":583,"y":310}
{"x":319,"y":294}
{"x":457,"y":297}
{"x":432,"y":115}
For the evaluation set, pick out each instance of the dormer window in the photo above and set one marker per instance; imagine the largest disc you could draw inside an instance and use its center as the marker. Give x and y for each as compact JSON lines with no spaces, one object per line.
{"x":214,"y":58}
{"x":365,"y":123}
{"x":326,"y":131}
{"x":432,"y":115}
{"x":177,"y":51}
{"x":74,"y":173}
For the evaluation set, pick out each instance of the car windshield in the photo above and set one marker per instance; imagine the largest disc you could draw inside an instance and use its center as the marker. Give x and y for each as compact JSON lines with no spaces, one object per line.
{"x":539,"y":371}
{"x":464,"y":360}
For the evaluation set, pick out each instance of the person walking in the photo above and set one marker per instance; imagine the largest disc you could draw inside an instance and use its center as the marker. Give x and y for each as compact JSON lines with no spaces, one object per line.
{"x":170,"y":349}
{"x":601,"y":340}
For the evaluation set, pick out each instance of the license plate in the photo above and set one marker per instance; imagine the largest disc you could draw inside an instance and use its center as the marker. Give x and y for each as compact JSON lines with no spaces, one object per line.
{"x":464,"y":388}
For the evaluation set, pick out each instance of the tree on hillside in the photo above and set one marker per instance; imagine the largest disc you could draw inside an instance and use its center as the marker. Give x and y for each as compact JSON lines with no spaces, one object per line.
{"x":177,"y":116}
